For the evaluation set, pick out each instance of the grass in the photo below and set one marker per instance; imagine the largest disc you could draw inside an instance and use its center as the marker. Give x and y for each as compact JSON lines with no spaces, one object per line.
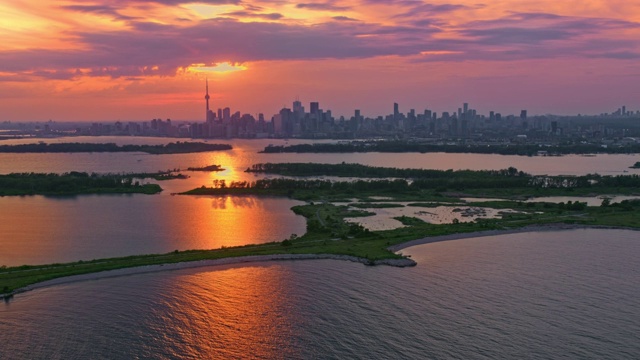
{"x":375,"y":205}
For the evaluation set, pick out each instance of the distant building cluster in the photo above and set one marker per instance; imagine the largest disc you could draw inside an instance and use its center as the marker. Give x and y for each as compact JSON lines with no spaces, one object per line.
{"x":316,"y":123}
{"x":298,"y":122}
{"x":463,"y":123}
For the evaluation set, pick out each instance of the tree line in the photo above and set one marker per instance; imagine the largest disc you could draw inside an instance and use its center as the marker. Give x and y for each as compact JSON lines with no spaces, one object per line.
{"x":358,"y":170}
{"x":405,"y":146}
{"x":459,"y":179}
{"x":71,"y":183}
{"x":171,"y":148}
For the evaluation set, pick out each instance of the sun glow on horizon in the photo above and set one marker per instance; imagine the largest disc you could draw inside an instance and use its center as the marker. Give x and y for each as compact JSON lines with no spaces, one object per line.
{"x":220,"y":68}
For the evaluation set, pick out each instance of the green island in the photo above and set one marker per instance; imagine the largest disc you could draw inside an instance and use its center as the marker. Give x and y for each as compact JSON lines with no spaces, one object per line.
{"x":206,"y":168}
{"x":171,"y":148}
{"x":636,"y":165}
{"x":401,"y":146}
{"x":77,"y":183}
{"x":328,"y":232}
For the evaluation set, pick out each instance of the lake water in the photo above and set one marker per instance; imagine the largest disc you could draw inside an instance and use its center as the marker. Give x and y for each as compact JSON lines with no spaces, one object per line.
{"x":384,"y":218}
{"x":245,"y":154}
{"x":546,"y":295}
{"x":41,"y":230}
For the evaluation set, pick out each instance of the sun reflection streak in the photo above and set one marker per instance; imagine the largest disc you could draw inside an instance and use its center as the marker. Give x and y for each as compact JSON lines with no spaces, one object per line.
{"x":230,"y":313}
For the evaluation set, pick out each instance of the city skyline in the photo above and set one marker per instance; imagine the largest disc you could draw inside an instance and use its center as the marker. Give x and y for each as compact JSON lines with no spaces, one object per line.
{"x":101,"y":61}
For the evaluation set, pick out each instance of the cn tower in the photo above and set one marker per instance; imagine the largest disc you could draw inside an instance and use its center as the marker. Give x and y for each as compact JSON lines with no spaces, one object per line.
{"x":207,"y":97}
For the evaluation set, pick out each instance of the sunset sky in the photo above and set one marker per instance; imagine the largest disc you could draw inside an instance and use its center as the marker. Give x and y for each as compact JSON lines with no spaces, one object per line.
{"x":144,"y":59}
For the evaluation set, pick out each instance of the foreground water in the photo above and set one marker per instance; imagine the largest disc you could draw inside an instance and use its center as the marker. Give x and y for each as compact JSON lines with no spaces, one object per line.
{"x":549,"y":295}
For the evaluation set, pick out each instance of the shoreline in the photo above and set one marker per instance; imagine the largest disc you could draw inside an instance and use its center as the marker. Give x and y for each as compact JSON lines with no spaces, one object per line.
{"x":404,"y":262}
{"x":485,"y":233}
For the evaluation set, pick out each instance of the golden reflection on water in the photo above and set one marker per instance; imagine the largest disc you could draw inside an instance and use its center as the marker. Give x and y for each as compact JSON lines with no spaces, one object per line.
{"x":232,"y":313}
{"x":38,"y":230}
{"x":233,"y":220}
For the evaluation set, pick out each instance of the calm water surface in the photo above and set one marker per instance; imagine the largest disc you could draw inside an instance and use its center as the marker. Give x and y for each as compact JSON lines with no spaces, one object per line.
{"x":549,"y":295}
{"x":245,"y":154}
{"x":41,"y":230}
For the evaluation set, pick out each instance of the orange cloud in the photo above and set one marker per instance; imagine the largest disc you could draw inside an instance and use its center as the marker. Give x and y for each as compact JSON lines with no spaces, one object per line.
{"x":220,"y":68}
{"x":127,"y":51}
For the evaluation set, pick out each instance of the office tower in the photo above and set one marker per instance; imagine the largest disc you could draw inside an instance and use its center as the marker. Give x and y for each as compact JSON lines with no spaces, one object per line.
{"x":314,"y":107}
{"x":523,"y":115}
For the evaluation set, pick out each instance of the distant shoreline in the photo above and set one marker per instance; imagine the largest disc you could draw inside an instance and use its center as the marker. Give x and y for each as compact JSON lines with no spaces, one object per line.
{"x":406,"y":262}
{"x":486,"y":233}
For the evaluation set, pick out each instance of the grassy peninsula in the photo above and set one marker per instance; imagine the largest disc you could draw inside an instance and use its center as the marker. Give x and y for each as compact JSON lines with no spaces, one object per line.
{"x":171,"y":148}
{"x":328,"y":232}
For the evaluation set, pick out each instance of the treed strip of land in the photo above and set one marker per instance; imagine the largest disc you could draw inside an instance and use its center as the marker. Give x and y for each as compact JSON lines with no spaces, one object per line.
{"x":407,"y":146}
{"x":415,"y":184}
{"x":171,"y":148}
{"x":75,"y":183}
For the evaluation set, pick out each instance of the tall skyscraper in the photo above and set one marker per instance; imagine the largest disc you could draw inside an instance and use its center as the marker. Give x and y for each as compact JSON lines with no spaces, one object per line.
{"x":210,"y":116}
{"x":207,"y":97}
{"x":314,"y":107}
{"x":396,"y":109}
{"x":523,"y":114}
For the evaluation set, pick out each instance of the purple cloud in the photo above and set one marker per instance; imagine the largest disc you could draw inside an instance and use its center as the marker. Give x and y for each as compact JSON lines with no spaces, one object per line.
{"x":245,"y":13}
{"x":327,"y":6}
{"x":420,"y":9}
{"x":344,"y":18}
{"x":145,"y":45}
{"x":99,"y":9}
{"x":132,"y":53}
